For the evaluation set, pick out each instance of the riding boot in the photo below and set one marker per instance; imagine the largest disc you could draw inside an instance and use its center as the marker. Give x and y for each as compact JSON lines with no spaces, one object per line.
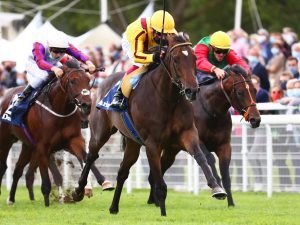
{"x":119,"y":100}
{"x":26,"y":92}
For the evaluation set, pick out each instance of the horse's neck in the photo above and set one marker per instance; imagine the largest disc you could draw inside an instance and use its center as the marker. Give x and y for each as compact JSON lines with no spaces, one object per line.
{"x":213,"y":94}
{"x":58,"y":99}
{"x":163,"y":85}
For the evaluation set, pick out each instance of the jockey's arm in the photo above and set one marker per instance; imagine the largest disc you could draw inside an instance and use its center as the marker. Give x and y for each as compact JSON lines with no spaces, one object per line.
{"x":39,"y":55}
{"x":137,"y":47}
{"x":201,"y":52}
{"x":77,"y":53}
{"x":233,"y":58}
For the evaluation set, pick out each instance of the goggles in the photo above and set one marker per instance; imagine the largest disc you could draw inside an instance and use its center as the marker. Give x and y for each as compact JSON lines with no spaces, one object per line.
{"x":58,"y":50}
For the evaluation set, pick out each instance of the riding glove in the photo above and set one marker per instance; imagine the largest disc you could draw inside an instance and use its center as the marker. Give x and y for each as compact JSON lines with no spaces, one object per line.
{"x":91,"y":66}
{"x":58,"y":71}
{"x":156,"y":57}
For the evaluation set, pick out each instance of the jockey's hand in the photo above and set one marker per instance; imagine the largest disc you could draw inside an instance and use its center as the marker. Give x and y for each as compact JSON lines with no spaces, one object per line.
{"x":91,"y":66}
{"x":157,"y":56}
{"x":219,"y":73}
{"x":57,"y":71}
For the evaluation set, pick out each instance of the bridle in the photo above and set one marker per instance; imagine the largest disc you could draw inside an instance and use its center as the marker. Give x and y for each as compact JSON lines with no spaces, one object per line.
{"x":74,"y":98}
{"x":244,"y":111}
{"x":175,"y":80}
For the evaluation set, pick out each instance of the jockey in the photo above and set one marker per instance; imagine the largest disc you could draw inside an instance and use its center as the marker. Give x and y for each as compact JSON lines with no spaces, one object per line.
{"x":213,"y":54}
{"x":139,"y":36}
{"x":46,"y":59}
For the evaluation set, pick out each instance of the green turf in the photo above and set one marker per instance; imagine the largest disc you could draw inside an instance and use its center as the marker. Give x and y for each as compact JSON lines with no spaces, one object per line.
{"x":182,"y":208}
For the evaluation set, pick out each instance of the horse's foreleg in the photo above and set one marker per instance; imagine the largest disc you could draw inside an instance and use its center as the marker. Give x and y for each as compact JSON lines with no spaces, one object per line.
{"x":211,"y":162}
{"x":224,"y":155}
{"x":4,"y":150}
{"x":57,"y":177}
{"x":30,"y":176}
{"x":106,"y":185}
{"x":23,"y":160}
{"x":76,"y":147}
{"x":167,"y":160}
{"x":131,"y":154}
{"x":191,"y":144}
{"x":160,"y":189}
{"x":43,"y":157}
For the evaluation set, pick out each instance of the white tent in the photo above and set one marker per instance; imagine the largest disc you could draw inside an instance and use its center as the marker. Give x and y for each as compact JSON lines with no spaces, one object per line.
{"x":102,"y":35}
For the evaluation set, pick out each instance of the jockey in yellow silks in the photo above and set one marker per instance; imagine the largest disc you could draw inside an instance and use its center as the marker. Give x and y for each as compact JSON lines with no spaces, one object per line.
{"x":139,"y":36}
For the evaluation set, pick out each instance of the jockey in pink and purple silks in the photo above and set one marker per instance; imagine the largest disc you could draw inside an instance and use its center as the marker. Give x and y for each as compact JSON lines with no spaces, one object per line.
{"x":46,"y":59}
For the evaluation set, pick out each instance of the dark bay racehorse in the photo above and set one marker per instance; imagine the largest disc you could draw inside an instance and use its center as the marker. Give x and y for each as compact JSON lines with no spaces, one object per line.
{"x":163,"y":116}
{"x":213,"y":122}
{"x":50,"y":131}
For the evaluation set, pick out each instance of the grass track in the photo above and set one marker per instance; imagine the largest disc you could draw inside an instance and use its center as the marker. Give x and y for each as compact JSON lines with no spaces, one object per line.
{"x":182,"y":208}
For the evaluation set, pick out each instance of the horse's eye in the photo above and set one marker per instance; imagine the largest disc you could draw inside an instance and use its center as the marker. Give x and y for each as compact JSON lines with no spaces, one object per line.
{"x":73,"y":81}
{"x":176,"y":59}
{"x":240,"y":93}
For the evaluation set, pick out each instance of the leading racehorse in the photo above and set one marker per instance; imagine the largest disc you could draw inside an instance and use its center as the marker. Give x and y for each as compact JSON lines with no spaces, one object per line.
{"x":53,"y":124}
{"x":162,"y":114}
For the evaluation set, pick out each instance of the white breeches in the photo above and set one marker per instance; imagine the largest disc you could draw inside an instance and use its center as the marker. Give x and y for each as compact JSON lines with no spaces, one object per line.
{"x":35,"y":75}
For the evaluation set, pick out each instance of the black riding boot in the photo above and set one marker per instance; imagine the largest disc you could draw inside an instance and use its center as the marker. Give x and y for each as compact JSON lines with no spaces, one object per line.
{"x":118,"y":101}
{"x":26,"y":92}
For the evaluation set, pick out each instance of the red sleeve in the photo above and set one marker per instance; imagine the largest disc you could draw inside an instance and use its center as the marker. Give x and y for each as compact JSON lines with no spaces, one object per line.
{"x":201,"y":52}
{"x":233,"y":58}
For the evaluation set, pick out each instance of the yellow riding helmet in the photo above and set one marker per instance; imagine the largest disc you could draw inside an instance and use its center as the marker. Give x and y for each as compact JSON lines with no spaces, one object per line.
{"x":156,"y":22}
{"x":220,"y":40}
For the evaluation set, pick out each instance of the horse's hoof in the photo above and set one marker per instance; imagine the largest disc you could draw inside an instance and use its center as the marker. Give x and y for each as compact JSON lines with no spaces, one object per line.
{"x":88,"y":192}
{"x":219,"y":193}
{"x":47,"y":203}
{"x":113,"y":211}
{"x":107,"y":186}
{"x":9,"y":202}
{"x":77,"y":197}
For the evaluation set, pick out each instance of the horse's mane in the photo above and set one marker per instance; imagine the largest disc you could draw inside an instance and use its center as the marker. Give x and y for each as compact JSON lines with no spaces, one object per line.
{"x":72,"y":64}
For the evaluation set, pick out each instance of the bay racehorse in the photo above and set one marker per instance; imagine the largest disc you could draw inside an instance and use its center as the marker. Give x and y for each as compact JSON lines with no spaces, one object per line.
{"x":162,"y":114}
{"x":53,"y":124}
{"x":213,"y":121}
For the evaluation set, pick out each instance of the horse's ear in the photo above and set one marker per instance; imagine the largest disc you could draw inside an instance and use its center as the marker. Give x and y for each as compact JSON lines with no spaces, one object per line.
{"x":185,"y":36}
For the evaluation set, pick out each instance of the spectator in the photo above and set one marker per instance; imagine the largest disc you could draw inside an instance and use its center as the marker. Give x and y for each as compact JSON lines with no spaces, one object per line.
{"x":239,"y":41}
{"x":292,"y":66}
{"x":296,"y":50}
{"x":276,"y":93}
{"x":264,"y":42}
{"x":285,"y":76}
{"x":9,"y":74}
{"x":276,"y":64}
{"x":258,"y":68}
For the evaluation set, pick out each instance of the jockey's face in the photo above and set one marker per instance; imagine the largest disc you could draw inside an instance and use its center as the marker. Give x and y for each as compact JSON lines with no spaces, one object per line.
{"x":57,"y":52}
{"x":157,"y":36}
{"x":220,"y":54}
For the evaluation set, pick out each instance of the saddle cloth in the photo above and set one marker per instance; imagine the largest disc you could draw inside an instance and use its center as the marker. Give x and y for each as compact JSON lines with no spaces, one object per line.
{"x":105,"y":104}
{"x":14,"y":115}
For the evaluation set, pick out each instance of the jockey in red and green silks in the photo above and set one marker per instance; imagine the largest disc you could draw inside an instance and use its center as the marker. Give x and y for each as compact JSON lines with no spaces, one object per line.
{"x":213,"y":54}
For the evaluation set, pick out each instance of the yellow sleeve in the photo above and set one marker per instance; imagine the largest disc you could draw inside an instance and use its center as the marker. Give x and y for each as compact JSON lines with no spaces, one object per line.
{"x":137,"y":38}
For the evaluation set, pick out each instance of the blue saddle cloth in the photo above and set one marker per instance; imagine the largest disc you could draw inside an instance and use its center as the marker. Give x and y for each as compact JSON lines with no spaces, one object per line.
{"x":106,"y":101}
{"x":105,"y":104}
{"x":14,"y":115}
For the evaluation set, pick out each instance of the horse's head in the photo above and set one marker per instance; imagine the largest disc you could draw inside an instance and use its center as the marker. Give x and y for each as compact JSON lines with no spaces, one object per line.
{"x":180,"y":64}
{"x":75,"y":83}
{"x":240,"y":93}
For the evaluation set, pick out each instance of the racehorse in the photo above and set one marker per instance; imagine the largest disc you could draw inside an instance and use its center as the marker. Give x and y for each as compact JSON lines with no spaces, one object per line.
{"x":54,"y":124}
{"x":165,"y":122}
{"x":213,"y":121}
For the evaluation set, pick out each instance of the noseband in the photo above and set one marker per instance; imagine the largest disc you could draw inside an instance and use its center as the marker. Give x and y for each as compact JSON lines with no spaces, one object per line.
{"x":243,"y":110}
{"x":175,"y":81}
